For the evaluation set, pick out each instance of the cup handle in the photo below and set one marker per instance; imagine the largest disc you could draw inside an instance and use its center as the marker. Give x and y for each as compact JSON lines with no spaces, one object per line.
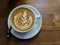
{"x":37,"y":16}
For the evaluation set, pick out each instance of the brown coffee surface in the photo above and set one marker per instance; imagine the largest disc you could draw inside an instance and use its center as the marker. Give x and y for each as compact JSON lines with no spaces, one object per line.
{"x":22,"y":19}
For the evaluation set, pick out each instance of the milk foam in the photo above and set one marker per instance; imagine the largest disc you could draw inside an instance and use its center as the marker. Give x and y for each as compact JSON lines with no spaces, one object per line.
{"x":21,"y":20}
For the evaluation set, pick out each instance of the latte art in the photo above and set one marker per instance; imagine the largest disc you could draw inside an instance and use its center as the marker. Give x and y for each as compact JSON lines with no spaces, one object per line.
{"x":22,"y":19}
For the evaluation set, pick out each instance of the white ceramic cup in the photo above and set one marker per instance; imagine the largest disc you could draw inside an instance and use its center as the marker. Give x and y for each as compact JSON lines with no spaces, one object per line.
{"x":30,"y":8}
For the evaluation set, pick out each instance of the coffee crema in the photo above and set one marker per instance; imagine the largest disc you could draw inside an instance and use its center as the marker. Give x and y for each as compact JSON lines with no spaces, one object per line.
{"x":22,"y":19}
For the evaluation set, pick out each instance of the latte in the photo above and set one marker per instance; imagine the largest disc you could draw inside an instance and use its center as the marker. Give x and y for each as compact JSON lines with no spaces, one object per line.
{"x":22,"y":19}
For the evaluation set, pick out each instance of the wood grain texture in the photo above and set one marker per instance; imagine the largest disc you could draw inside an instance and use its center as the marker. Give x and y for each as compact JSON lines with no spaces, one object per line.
{"x":50,"y":31}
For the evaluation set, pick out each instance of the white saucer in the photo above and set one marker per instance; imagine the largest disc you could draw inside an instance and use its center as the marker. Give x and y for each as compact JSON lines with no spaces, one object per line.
{"x":36,"y":28}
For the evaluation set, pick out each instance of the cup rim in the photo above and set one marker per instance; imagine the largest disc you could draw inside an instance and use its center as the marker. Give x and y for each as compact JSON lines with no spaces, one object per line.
{"x":17,"y":8}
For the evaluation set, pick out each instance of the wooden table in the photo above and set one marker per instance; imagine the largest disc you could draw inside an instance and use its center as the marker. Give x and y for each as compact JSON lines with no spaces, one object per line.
{"x":50,"y":31}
